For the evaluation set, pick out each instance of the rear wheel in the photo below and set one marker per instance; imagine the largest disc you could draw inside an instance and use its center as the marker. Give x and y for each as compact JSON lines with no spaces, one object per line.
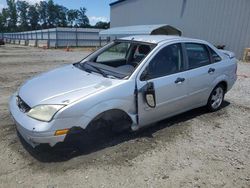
{"x":216,"y":98}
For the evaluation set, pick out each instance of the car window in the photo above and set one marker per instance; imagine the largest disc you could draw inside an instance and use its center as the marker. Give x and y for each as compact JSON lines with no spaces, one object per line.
{"x":116,"y":52}
{"x":141,"y":52}
{"x":215,"y":57}
{"x":119,"y":59}
{"x":197,"y":54}
{"x":167,"y":61}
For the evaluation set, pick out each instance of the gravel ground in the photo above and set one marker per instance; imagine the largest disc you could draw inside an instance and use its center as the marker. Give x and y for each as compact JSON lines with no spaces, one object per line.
{"x":195,"y":149}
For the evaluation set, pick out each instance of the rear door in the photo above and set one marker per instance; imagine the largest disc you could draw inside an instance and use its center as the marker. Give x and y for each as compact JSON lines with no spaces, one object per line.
{"x":166,"y":77}
{"x":201,"y":73}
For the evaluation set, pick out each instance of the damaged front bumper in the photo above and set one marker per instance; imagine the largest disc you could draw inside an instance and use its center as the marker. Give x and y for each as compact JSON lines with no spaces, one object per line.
{"x":26,"y":127}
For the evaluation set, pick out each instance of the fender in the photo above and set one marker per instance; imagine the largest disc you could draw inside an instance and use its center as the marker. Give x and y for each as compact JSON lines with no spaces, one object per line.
{"x":221,"y":78}
{"x":118,"y":104}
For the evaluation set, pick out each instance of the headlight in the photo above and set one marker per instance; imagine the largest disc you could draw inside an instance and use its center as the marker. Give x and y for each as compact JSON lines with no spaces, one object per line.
{"x":44,"y":112}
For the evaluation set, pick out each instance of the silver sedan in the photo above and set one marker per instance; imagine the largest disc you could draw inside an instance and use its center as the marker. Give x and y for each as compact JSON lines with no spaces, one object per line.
{"x":128,"y":84}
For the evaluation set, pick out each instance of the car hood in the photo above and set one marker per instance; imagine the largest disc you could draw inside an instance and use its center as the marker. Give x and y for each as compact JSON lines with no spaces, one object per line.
{"x":63,"y":86}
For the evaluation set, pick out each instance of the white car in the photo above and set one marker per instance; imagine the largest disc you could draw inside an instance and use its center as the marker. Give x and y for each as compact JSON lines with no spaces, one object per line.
{"x":128,"y":84}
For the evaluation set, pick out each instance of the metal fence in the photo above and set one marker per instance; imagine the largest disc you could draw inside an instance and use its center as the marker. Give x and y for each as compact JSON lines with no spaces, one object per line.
{"x":57,"y":37}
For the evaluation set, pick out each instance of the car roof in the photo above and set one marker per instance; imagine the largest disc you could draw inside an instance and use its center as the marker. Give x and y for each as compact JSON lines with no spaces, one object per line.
{"x":156,"y":39}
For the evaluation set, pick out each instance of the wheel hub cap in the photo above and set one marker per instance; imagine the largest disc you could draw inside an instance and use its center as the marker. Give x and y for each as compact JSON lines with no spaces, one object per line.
{"x":217,"y":97}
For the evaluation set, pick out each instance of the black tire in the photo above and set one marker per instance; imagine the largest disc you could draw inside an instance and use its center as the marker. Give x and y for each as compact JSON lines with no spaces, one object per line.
{"x":216,"y":98}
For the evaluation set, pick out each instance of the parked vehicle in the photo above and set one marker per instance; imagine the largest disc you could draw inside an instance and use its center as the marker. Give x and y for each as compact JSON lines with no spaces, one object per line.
{"x":128,"y":84}
{"x":2,"y":42}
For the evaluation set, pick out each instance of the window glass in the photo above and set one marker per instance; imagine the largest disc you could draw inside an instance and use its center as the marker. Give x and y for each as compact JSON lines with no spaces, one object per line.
{"x":167,"y":61}
{"x":119,"y":59}
{"x":141,"y":51}
{"x":197,"y":54}
{"x":116,"y":52}
{"x":214,"y":55}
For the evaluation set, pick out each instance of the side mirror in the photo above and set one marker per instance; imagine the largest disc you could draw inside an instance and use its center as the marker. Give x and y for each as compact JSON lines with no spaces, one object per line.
{"x":150,"y":95}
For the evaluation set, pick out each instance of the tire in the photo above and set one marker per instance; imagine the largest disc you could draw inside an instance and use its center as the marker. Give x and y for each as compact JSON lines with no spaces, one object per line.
{"x":216,"y":98}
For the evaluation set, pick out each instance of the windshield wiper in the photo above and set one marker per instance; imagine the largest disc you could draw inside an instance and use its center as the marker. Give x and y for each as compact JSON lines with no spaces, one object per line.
{"x":98,"y":70}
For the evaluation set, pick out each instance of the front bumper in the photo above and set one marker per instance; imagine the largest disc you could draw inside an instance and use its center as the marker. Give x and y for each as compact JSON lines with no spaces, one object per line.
{"x":33,"y":132}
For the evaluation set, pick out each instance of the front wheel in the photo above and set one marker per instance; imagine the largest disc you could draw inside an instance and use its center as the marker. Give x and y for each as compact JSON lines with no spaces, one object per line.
{"x":216,"y":98}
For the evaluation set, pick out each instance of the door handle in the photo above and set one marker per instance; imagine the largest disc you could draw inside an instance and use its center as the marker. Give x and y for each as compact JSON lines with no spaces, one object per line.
{"x":211,"y":70}
{"x":179,"y":80}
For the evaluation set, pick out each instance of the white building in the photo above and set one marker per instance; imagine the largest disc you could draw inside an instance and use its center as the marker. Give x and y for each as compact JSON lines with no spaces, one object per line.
{"x":221,"y":22}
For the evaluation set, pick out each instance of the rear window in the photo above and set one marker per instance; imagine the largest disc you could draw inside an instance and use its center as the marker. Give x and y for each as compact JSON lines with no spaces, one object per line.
{"x":197,"y":54}
{"x":215,"y":57}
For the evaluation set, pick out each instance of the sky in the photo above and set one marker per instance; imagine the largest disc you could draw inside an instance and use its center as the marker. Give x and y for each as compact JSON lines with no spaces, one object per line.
{"x":97,"y":10}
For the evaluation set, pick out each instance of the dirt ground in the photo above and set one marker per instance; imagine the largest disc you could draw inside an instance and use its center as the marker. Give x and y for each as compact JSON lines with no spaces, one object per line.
{"x":195,"y":149}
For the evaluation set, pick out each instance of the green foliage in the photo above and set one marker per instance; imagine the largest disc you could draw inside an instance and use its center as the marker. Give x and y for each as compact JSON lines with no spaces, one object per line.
{"x":33,"y":17}
{"x":43,"y":11}
{"x":72,"y":16}
{"x":12,"y":15}
{"x":61,"y":16}
{"x":3,"y":20}
{"x":51,"y":9}
{"x":22,"y":9}
{"x":102,"y":25}
{"x":83,"y":20}
{"x":22,"y":16}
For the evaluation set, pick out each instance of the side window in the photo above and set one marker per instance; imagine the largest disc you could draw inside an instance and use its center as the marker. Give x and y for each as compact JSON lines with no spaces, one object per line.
{"x":215,"y":57}
{"x":141,"y":52}
{"x":168,"y":60}
{"x":197,"y":54}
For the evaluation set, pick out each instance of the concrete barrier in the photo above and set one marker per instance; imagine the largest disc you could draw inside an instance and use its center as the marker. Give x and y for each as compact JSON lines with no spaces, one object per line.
{"x":22,"y":42}
{"x":17,"y":42}
{"x":42,"y":43}
{"x":32,"y":43}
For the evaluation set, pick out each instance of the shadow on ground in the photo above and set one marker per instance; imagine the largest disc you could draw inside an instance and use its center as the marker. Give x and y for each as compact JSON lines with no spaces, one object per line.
{"x":66,"y":151}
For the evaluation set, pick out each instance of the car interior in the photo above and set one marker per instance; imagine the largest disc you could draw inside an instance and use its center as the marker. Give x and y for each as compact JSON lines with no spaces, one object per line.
{"x":123,"y":57}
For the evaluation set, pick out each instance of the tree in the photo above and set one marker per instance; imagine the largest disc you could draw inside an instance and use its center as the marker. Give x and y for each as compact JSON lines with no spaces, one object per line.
{"x":4,"y":19}
{"x":2,"y":26}
{"x":52,"y":13}
{"x":102,"y":25}
{"x":22,"y":8}
{"x":33,"y":16}
{"x":43,"y":14}
{"x":83,"y":20}
{"x":20,"y":16}
{"x":61,"y":16}
{"x":12,"y":12}
{"x":72,"y":15}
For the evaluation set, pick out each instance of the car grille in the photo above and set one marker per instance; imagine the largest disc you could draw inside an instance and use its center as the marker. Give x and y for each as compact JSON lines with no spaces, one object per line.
{"x":22,"y":105}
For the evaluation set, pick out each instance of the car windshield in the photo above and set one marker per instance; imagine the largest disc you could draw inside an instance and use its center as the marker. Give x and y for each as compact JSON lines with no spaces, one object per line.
{"x":119,"y":60}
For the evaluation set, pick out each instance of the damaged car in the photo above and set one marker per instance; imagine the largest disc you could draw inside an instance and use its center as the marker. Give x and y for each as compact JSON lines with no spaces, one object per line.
{"x":128,"y":84}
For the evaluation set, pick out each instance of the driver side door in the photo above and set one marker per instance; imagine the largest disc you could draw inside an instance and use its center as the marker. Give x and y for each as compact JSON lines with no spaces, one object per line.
{"x":162,"y":87}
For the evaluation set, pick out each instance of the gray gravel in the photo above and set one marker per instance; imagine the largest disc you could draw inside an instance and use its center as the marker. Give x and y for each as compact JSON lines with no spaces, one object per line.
{"x":195,"y":149}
